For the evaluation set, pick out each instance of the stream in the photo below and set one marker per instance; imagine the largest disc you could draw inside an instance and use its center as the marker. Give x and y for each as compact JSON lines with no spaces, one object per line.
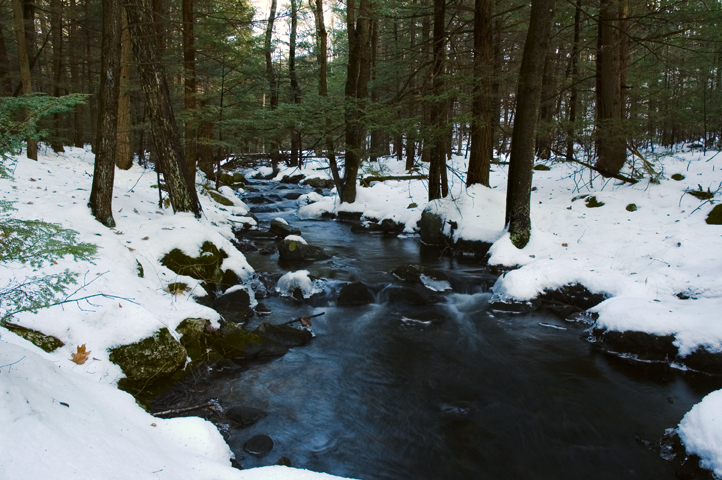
{"x":450,"y":391}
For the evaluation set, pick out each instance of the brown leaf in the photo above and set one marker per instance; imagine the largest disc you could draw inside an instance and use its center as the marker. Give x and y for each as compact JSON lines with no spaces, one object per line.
{"x":145,"y":238}
{"x":81,"y":356}
{"x":564,"y":245}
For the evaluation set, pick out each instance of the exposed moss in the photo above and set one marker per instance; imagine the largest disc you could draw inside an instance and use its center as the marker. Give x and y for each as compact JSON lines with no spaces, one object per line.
{"x":631,"y":207}
{"x":541,"y":167}
{"x":141,"y":274}
{"x":46,"y":342}
{"x":701,"y":194}
{"x":678,"y":176}
{"x":218,"y":198}
{"x":205,"y":267}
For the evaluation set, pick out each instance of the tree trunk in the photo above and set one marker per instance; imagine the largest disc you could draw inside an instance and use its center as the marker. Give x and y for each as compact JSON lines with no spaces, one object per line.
{"x":437,"y":114}
{"x":482,"y":108}
{"x":101,"y":195}
{"x":521,"y":158}
{"x":295,"y":89}
{"x":356,"y":91}
{"x":32,"y":144}
{"x":610,"y":137}
{"x":6,"y":85}
{"x":273,"y":85}
{"x":124,"y":150}
{"x":322,"y":49}
{"x":411,"y":112}
{"x":573,"y":90}
{"x":75,"y":78}
{"x":56,"y":26}
{"x":183,"y":196}
{"x":89,"y":77}
{"x":189,"y":90}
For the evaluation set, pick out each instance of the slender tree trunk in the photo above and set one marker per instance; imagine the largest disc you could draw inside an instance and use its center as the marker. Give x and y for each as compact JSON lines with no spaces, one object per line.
{"x":32,"y":144}
{"x":437,"y":114}
{"x":56,"y":26}
{"x":321,"y":56}
{"x":521,"y":158}
{"x":124,"y":151}
{"x":189,"y":71}
{"x":271,"y":76}
{"x":295,"y":89}
{"x":411,"y":131}
{"x":90,"y":77}
{"x":378,"y":146}
{"x":498,"y":135}
{"x":6,"y":85}
{"x":610,"y":137}
{"x":573,"y":90}
{"x":482,"y":108}
{"x":75,"y":78}
{"x":356,"y":91}
{"x":101,"y":195}
{"x":183,"y":196}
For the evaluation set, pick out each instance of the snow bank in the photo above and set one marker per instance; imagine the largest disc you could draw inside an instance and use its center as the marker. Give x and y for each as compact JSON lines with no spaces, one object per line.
{"x":701,"y":432}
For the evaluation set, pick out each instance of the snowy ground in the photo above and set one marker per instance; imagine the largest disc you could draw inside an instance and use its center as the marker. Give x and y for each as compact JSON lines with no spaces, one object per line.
{"x":60,"y":419}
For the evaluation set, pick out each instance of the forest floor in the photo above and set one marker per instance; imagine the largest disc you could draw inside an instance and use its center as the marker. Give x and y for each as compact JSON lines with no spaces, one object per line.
{"x":658,"y":262}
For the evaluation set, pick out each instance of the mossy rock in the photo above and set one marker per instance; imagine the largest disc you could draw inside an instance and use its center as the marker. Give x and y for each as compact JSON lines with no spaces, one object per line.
{"x":541,"y":167}
{"x":631,"y":207}
{"x":715,"y":216}
{"x":205,"y":267}
{"x":592,"y":202}
{"x":678,"y":176}
{"x":232,"y":341}
{"x":233,"y":179}
{"x":218,"y":198}
{"x":196,"y":334}
{"x":150,"y":360}
{"x":46,"y":342}
{"x":292,"y":250}
{"x":234,"y":306}
{"x":431,"y":228}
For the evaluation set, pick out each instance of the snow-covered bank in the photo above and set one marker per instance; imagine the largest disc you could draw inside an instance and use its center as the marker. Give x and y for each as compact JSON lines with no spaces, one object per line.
{"x":63,"y":420}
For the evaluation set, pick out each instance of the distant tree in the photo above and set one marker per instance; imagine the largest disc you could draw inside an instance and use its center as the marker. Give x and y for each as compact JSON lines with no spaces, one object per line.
{"x":521,"y":158}
{"x":24,"y":61}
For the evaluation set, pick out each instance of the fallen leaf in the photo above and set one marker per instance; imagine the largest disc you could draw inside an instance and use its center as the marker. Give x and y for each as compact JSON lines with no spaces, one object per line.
{"x":564,"y":245}
{"x":119,"y":305}
{"x":81,"y":356}
{"x":118,"y":233}
{"x":145,"y":238}
{"x":135,"y":210}
{"x":131,"y":249}
{"x":153,"y":425}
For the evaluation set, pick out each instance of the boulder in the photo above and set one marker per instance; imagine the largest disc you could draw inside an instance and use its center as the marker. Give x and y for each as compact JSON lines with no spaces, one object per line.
{"x":259,"y":445}
{"x":354,"y":294}
{"x":240,"y":416}
{"x":715,"y":216}
{"x":284,"y":334}
{"x":645,"y":346}
{"x":292,"y":196}
{"x":283,"y":229}
{"x":570,"y":300}
{"x":292,"y":179}
{"x":195,"y":337}
{"x":413,"y":295}
{"x":319,"y":182}
{"x":231,"y":341}
{"x":431,"y":228}
{"x":149,"y":361}
{"x":704,"y":361}
{"x":349,"y":216}
{"x":218,"y":198}
{"x":295,"y":250}
{"x":234,"y":306}
{"x":206,"y":267}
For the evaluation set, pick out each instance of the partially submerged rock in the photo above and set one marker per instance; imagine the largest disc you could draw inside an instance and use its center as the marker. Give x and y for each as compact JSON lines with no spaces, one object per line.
{"x":234,"y":306}
{"x":354,"y":294}
{"x":282,"y":229}
{"x":206,"y":267}
{"x":284,"y":334}
{"x":295,"y":249}
{"x":232,"y":341}
{"x":241,"y":416}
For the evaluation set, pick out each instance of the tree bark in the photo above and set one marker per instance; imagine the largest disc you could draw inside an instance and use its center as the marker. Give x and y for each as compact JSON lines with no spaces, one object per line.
{"x":56,"y":27}
{"x":482,"y":108}
{"x":272,"y":83}
{"x":573,"y":90}
{"x":89,"y":76}
{"x":437,"y":114}
{"x":610,"y":137}
{"x":101,"y":195}
{"x":322,"y":58}
{"x":189,"y":90}
{"x":23,"y":60}
{"x":521,"y":158}
{"x":411,"y":112}
{"x":295,"y":89}
{"x":6,"y":86}
{"x":124,"y":150}
{"x":356,"y":92}
{"x":183,"y":196}
{"x":75,"y":77}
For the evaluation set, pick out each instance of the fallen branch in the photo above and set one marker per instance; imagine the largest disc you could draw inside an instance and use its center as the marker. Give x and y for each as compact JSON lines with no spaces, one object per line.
{"x":303,"y":319}
{"x":212,"y":405}
{"x":366,"y":182}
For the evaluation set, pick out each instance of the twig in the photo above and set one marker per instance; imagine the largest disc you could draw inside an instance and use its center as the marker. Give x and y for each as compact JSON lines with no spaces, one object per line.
{"x":298,"y":319}
{"x":213,"y":405}
{"x":11,"y":364}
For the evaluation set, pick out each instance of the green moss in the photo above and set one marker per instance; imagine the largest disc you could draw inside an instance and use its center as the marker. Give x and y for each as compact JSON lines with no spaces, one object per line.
{"x":141,"y":274}
{"x":678,"y":176}
{"x":631,"y":207}
{"x":715,"y":216}
{"x":46,"y":342}
{"x":150,"y":360}
{"x":701,"y":194}
{"x":205,"y":267}
{"x":541,"y":167}
{"x":218,"y":198}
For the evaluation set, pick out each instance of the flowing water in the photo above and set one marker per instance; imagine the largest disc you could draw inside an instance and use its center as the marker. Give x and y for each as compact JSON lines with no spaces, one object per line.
{"x":452,"y":391}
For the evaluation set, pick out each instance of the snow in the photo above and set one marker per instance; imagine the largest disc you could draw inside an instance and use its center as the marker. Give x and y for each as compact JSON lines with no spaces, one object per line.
{"x":645,"y":261}
{"x":290,"y":281}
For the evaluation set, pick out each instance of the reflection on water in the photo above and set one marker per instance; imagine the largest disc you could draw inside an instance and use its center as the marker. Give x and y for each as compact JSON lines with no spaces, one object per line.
{"x":454,"y":391}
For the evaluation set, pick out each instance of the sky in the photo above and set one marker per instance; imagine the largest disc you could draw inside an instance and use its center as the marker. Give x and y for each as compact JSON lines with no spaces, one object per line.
{"x":74,"y":419}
